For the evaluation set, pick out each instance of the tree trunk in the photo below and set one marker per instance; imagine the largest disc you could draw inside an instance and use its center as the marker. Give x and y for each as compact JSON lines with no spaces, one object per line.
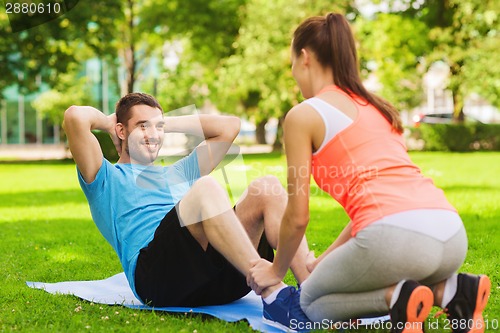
{"x":130,"y":61}
{"x":130,"y":64}
{"x":458,"y":107}
{"x":443,"y":6}
{"x":278,"y":142}
{"x":260,"y":132}
{"x":458,"y":98}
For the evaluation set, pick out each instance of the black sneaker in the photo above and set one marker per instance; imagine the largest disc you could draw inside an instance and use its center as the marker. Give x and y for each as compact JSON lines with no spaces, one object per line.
{"x":285,"y":312}
{"x":411,"y":309}
{"x":465,"y":310}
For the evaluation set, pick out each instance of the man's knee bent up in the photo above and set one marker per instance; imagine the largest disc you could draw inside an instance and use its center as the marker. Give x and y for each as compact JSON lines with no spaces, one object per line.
{"x":206,"y":199}
{"x":267,"y":188}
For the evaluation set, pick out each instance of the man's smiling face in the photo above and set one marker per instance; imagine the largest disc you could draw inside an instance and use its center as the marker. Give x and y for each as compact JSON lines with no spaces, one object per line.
{"x":144,"y":133}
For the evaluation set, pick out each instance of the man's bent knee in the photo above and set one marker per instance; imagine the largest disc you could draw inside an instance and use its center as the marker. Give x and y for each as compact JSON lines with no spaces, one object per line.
{"x":207,"y":188}
{"x":267,"y":188}
{"x":209,"y":198}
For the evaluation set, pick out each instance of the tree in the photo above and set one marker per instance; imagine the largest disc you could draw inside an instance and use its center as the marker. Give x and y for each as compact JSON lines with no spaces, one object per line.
{"x":49,"y":49}
{"x":128,"y":33}
{"x":185,"y":82}
{"x":200,"y":33}
{"x":394,"y":56}
{"x":465,"y":44}
{"x":7,"y":74}
{"x":256,"y":80}
{"x":52,"y":51}
{"x":68,"y":91}
{"x":464,"y":34}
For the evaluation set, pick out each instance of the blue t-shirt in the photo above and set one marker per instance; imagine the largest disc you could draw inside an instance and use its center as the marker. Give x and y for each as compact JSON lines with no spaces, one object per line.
{"x":128,"y":202}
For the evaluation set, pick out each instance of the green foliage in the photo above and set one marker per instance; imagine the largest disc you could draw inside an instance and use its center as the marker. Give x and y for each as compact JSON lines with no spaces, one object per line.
{"x":256,"y":81}
{"x":107,"y":146}
{"x":185,"y":84}
{"x":68,"y":91}
{"x":210,"y":26}
{"x":459,"y":137}
{"x":397,"y":53}
{"x":50,"y":48}
{"x":481,"y":73}
{"x":200,"y":33}
{"x":129,"y":31}
{"x":487,"y":137}
{"x":7,"y":76}
{"x":260,"y":65}
{"x":464,"y":35}
{"x":445,"y":137}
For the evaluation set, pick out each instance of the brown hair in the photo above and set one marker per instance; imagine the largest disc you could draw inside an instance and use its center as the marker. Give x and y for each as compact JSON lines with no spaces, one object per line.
{"x":124,"y":105}
{"x":330,"y":38}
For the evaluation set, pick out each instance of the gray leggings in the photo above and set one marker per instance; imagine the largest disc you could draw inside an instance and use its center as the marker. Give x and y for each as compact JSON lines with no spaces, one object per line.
{"x":352,"y":280}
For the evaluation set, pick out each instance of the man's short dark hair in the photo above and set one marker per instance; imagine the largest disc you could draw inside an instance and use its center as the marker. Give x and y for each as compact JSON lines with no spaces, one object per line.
{"x":124,"y":105}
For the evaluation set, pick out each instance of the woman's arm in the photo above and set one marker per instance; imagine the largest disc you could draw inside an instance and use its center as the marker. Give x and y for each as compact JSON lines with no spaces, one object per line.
{"x":298,"y":145}
{"x":298,"y":128}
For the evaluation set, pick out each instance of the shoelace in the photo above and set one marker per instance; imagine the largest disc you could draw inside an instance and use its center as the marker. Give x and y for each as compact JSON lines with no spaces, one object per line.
{"x":288,"y":299}
{"x":294,"y":306}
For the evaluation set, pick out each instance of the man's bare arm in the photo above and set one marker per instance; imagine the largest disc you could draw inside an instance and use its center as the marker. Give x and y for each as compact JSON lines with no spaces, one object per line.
{"x":78,"y":123}
{"x":219,"y":133}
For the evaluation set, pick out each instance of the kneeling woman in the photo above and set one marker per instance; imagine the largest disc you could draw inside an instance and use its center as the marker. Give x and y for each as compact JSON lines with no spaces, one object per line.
{"x":401,"y":250}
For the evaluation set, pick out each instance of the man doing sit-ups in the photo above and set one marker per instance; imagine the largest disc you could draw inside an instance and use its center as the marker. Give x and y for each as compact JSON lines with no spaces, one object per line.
{"x":178,"y":238}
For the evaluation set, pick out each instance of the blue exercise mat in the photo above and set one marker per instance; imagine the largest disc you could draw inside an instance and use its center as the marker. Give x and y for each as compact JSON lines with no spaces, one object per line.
{"x":116,"y":291}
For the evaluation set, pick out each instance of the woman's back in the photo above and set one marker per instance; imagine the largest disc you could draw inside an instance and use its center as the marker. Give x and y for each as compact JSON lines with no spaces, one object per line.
{"x":366,"y":168}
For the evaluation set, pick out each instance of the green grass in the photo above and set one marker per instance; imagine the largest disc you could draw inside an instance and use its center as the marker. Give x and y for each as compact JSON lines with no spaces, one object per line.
{"x":47,"y":235}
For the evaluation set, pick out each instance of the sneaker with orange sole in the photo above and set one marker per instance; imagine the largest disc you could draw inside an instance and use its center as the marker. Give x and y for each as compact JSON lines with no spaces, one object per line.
{"x":465,"y":310}
{"x":411,"y":308}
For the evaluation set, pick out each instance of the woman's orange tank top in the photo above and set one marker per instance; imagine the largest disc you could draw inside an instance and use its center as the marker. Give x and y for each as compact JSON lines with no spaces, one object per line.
{"x":367,"y":169}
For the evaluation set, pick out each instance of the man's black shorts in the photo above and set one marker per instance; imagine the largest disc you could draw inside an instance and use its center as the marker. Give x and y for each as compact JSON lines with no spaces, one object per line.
{"x":174,"y":270}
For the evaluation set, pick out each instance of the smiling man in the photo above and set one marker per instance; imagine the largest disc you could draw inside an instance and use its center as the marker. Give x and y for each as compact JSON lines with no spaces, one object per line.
{"x":173,"y":228}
